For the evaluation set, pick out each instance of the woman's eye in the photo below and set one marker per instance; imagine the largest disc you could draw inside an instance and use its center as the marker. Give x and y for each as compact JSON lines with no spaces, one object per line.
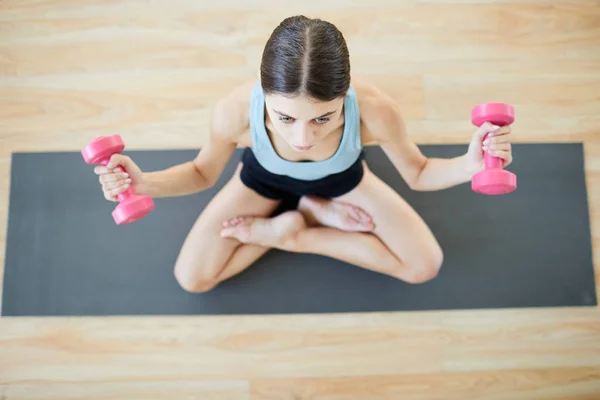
{"x":286,"y":120}
{"x":321,"y":120}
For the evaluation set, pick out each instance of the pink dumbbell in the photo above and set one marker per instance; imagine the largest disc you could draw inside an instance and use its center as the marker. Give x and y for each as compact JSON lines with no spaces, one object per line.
{"x":494,"y":179}
{"x":132,"y":207}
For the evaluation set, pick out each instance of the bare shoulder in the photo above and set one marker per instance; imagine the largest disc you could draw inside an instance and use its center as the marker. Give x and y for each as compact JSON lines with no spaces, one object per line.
{"x":230,"y":118}
{"x":380,"y":115}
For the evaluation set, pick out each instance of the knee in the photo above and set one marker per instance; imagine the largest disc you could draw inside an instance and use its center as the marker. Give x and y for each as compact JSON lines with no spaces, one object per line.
{"x":191,"y":282}
{"x":427,"y":268}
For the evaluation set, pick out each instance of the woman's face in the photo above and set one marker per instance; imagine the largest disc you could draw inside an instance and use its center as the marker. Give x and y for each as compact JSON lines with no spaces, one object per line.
{"x":303,"y":122}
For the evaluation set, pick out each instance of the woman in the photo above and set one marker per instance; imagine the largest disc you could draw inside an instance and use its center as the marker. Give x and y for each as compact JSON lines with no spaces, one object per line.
{"x":303,"y":125}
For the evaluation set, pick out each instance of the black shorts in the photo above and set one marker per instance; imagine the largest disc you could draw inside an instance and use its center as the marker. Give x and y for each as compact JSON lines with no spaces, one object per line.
{"x":279,"y":187}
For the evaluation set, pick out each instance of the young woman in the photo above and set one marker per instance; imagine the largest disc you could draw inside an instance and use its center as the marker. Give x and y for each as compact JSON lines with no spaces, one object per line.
{"x":303,"y":125}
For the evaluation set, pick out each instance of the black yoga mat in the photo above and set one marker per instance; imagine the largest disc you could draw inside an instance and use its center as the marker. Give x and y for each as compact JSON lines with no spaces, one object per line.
{"x":65,"y":255}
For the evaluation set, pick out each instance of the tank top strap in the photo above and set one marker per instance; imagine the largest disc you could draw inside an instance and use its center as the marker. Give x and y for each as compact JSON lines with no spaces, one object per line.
{"x":352,"y":119}
{"x":257,"y":118}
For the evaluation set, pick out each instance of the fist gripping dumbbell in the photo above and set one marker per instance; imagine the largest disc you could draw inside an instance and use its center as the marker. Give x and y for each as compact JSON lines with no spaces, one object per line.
{"x":132,"y":207}
{"x":494,"y":179}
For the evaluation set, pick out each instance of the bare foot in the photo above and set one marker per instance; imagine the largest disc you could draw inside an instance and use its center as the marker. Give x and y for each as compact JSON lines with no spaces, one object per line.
{"x":335,"y":214}
{"x":268,"y":232}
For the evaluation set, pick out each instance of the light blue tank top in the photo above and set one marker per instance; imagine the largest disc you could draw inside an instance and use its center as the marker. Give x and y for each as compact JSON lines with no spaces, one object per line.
{"x":347,"y":153}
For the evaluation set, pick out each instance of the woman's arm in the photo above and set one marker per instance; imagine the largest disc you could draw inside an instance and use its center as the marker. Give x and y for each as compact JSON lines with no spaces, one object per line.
{"x":229,"y":122}
{"x":193,"y":176}
{"x":386,"y":127}
{"x":420,"y":172}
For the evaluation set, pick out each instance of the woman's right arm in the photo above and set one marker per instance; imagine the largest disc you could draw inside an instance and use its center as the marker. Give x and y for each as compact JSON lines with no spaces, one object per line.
{"x":228,"y":123}
{"x":193,"y":176}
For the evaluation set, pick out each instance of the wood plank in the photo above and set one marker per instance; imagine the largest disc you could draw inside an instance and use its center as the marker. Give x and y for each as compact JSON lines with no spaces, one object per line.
{"x":143,"y":390}
{"x":534,"y":384}
{"x":539,"y":340}
{"x":571,"y":96}
{"x":232,"y":347}
{"x":216,"y":348}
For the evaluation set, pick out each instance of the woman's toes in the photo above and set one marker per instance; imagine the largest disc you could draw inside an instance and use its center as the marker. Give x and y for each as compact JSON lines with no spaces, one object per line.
{"x":362,"y":214}
{"x":235,"y":221}
{"x":238,"y":230}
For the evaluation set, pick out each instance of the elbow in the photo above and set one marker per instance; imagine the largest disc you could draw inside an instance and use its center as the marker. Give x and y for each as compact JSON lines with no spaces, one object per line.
{"x":414,"y":183}
{"x":205,"y":181}
{"x":209,"y":182}
{"x":415,"y":179}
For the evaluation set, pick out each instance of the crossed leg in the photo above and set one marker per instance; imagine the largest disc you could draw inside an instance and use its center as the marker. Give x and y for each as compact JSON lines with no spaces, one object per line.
{"x":391,"y":237}
{"x":371,"y":227}
{"x":208,"y":256}
{"x":401,"y":244}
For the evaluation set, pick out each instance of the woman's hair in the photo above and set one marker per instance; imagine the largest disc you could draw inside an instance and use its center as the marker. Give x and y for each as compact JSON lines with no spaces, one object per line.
{"x":306,"y":56}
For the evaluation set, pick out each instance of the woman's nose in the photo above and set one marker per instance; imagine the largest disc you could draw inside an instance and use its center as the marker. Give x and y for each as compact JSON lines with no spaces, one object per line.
{"x":304,"y":135}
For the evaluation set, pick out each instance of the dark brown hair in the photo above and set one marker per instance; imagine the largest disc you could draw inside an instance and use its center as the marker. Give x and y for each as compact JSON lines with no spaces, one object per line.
{"x":306,"y":56}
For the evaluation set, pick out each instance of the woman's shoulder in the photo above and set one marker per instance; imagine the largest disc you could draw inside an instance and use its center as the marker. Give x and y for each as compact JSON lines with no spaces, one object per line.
{"x":231,"y":113}
{"x":378,"y":111}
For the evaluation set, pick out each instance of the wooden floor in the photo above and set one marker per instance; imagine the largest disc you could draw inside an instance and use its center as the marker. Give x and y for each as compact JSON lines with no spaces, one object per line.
{"x":151,"y":71}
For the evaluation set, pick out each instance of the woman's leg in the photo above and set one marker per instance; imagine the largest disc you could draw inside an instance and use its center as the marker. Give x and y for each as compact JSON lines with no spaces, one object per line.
{"x":206,"y":258}
{"x":400,"y":244}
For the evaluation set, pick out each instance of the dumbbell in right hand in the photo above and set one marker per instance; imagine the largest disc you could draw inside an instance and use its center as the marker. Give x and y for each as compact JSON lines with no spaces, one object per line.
{"x":132,"y":207}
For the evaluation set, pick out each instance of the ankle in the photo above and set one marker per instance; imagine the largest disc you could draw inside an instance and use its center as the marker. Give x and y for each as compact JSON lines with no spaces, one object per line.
{"x":289,"y":240}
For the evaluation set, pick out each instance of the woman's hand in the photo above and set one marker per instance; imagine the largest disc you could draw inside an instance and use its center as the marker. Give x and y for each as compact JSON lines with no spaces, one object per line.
{"x":497,"y":144}
{"x":115,"y":181}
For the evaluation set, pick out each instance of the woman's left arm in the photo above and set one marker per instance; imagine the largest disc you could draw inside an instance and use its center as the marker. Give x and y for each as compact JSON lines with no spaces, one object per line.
{"x":386,"y":126}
